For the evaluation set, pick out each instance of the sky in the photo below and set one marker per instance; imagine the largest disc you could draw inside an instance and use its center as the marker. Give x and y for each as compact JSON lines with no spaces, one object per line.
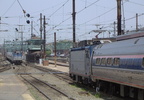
{"x":90,"y":15}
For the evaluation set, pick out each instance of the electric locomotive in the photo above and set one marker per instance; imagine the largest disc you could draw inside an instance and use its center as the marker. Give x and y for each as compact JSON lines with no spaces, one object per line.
{"x":80,"y":64}
{"x":34,"y":49}
{"x":13,"y":51}
{"x":15,"y":57}
{"x":80,"y":61}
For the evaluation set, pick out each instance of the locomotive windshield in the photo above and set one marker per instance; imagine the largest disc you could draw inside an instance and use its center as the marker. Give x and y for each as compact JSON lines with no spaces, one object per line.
{"x":35,"y":42}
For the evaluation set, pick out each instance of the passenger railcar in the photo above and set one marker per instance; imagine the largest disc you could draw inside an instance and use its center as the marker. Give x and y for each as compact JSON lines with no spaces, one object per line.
{"x":117,"y":67}
{"x":120,"y":62}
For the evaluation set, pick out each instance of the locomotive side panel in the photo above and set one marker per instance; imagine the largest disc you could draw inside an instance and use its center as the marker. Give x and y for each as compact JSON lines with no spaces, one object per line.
{"x":78,"y":62}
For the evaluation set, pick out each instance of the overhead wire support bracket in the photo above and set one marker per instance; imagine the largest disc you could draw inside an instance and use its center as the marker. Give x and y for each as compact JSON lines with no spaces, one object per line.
{"x":21,"y":7}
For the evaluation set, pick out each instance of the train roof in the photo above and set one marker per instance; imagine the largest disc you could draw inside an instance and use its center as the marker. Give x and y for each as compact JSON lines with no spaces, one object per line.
{"x":90,"y":48}
{"x":130,"y":35}
{"x":82,"y":48}
{"x":125,"y":47}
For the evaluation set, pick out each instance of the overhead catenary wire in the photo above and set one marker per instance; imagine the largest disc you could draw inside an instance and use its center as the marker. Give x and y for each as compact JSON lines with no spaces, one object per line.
{"x":59,"y":8}
{"x":59,"y":24}
{"x":46,"y":9}
{"x":99,"y":16}
{"x":9,"y":8}
{"x":135,"y":3}
{"x":87,"y":6}
{"x":134,"y":17}
{"x":77,"y":13}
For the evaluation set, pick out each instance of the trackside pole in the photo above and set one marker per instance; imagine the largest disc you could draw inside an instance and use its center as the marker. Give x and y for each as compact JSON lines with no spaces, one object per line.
{"x":55,"y":46}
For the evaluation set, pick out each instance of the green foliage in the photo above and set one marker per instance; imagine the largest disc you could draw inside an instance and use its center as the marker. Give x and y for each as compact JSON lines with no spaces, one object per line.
{"x":97,"y":95}
{"x":48,"y":52}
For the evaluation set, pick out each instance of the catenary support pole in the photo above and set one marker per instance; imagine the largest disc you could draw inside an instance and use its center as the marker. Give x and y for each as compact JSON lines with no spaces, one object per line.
{"x":136,"y":22}
{"x":44,"y":45}
{"x":74,"y":19}
{"x":119,"y":17}
{"x":55,"y":46}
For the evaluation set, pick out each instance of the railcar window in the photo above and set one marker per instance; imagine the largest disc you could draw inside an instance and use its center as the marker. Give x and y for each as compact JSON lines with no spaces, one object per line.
{"x":103,"y":61}
{"x":109,"y":61}
{"x":143,"y":63}
{"x":128,"y":61}
{"x":116,"y":61}
{"x":132,"y":62}
{"x":98,"y":61}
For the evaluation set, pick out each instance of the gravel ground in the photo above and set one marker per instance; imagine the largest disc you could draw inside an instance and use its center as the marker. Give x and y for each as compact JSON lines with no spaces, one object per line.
{"x":69,"y":88}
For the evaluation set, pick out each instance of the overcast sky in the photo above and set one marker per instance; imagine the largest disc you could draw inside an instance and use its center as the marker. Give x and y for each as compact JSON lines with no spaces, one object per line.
{"x":90,"y":15}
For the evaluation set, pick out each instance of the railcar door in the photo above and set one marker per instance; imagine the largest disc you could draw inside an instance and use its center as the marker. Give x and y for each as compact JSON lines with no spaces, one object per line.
{"x":87,"y":61}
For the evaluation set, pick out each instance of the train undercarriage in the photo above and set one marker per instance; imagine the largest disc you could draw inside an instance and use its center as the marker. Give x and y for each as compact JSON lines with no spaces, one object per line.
{"x":126,"y":92}
{"x":16,"y":62}
{"x":115,"y":89}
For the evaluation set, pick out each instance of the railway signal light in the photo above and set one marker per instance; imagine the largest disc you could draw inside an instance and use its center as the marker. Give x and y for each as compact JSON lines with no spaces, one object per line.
{"x":16,"y":29}
{"x":28,"y":22}
{"x":28,"y":15}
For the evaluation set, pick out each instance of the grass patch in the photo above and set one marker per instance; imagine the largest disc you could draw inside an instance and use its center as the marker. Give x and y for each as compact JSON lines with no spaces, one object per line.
{"x":34,"y":94}
{"x":97,"y":95}
{"x":88,"y":90}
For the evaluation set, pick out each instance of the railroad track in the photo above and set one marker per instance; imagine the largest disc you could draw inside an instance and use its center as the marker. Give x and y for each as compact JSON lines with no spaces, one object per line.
{"x":21,"y":70}
{"x":2,"y":69}
{"x":65,"y":77}
{"x":61,"y":75}
{"x":4,"y":65}
{"x":59,"y":63}
{"x":49,"y":91}
{"x":58,"y":74}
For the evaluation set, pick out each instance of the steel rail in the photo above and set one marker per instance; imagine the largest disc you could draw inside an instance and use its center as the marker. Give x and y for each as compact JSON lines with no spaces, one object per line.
{"x":36,"y":88}
{"x":47,"y":84}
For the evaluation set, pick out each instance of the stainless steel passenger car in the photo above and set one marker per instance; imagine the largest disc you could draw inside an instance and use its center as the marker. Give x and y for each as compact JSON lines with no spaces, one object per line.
{"x":120,"y":62}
